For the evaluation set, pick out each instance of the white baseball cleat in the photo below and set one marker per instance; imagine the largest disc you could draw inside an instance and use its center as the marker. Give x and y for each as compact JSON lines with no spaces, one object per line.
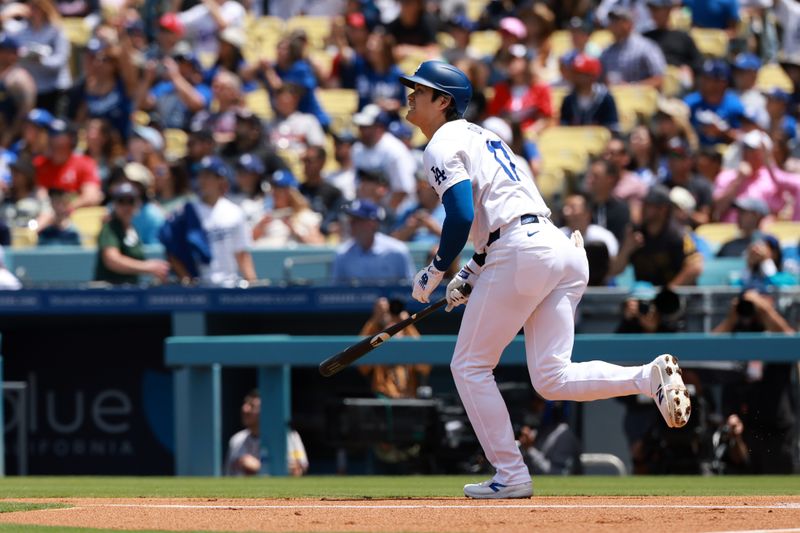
{"x":493,"y":490}
{"x":669,"y":392}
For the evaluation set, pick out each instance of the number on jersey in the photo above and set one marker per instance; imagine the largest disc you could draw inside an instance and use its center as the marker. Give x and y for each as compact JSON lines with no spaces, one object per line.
{"x":508,"y":166}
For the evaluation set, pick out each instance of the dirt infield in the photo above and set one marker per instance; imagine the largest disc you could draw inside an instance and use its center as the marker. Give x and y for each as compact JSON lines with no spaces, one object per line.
{"x":540,"y":514}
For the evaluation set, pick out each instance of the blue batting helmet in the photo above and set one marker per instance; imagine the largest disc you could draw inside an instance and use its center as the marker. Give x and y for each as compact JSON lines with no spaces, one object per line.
{"x":443,"y":77}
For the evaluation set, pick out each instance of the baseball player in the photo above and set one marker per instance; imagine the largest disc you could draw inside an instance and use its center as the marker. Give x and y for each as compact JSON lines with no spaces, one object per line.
{"x":526,"y":274}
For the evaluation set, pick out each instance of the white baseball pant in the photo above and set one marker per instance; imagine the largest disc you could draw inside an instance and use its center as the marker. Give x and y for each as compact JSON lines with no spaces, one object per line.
{"x":533,"y":278}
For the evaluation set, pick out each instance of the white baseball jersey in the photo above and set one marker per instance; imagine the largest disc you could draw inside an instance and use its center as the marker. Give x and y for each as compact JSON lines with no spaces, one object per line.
{"x":225,"y":225}
{"x":502,"y":190}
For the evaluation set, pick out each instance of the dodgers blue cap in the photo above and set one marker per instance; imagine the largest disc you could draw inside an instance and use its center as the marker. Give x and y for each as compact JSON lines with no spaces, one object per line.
{"x":747,"y":61}
{"x":283,"y":178}
{"x":365,"y":209}
{"x":40,"y":117}
{"x":250,"y":163}
{"x":778,"y":94}
{"x":214,"y":165}
{"x":7,"y":42}
{"x":716,"y":68}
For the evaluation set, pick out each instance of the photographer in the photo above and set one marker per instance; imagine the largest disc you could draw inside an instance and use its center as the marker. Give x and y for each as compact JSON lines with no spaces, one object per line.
{"x":643,"y":314}
{"x":764,"y":399}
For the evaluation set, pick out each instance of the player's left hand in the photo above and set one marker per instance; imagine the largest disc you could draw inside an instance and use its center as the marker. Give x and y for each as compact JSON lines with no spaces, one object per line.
{"x":425,"y":282}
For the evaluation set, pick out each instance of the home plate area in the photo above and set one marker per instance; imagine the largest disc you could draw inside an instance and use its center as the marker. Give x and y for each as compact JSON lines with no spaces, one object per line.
{"x":589,"y":513}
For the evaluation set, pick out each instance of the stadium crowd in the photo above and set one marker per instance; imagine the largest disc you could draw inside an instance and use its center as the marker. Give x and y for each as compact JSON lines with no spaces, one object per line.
{"x":240,"y":126}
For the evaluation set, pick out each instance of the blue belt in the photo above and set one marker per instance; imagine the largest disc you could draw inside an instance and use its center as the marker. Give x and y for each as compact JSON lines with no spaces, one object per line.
{"x":523,"y":220}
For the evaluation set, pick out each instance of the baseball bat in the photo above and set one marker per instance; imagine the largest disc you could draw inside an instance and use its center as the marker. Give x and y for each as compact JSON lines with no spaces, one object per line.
{"x":336,"y":363}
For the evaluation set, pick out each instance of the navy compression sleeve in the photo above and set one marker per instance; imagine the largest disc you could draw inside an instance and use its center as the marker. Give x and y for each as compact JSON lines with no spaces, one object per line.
{"x":459,"y":212}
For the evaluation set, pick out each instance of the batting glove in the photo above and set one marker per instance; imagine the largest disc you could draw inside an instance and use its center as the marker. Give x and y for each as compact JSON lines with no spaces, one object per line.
{"x":460,"y":286}
{"x":425,"y":282}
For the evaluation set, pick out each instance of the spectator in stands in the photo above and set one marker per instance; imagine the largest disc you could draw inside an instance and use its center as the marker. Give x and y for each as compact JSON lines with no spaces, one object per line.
{"x":637,"y":8}
{"x":377,"y":76}
{"x":35,"y":134}
{"x":677,"y":45}
{"x":764,"y":267}
{"x":460,"y":28}
{"x":660,"y":251}
{"x":646,"y":312}
{"x":47,"y":49}
{"x":228,"y":98}
{"x":8,"y":281}
{"x":348,"y":38}
{"x":414,"y":30}
{"x":540,"y":23}
{"x":323,"y":197}
{"x":18,"y":95}
{"x":143,"y":142}
{"x":181,"y":92}
{"x":671,"y":120}
{"x":684,"y":206}
{"x":249,"y":138}
{"x":580,"y":31}
{"x":150,"y":217}
{"x":244,"y":448}
{"x":512,"y":31}
{"x":590,"y":103}
{"x":644,"y":157}
{"x":171,"y":186}
{"x":787,"y":12}
{"x":61,"y":231}
{"x":291,"y":220}
{"x":715,"y":109}
{"x":708,"y":163}
{"x":478,"y":74}
{"x":21,"y":202}
{"x":208,"y":240}
{"x":109,"y":86}
{"x":203,"y":22}
{"x":719,"y":14}
{"x":777,"y":102}
{"x":291,"y":129}
{"x":291,"y":67}
{"x":230,"y":57}
{"x":63,"y":168}
{"x":551,"y":448}
{"x":577,"y":213}
{"x":629,"y":188}
{"x":421,"y":222}
{"x":631,"y":58}
{"x":344,"y":177}
{"x":104,"y":146}
{"x":251,"y":191}
{"x":199,"y":145}
{"x":369,"y":256}
{"x":120,"y":258}
{"x":608,"y":211}
{"x":522,"y":98}
{"x":170,"y":31}
{"x":680,"y":174}
{"x":755,"y":177}
{"x":791,"y":66}
{"x":378,"y":150}
{"x":374,"y":186}
{"x":745,"y":75}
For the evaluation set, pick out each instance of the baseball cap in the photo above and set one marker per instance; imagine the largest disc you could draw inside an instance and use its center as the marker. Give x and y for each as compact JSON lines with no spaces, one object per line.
{"x":369,"y":116}
{"x":567,"y":58}
{"x":657,"y":195}
{"x":513,"y":26}
{"x":755,"y":139}
{"x":233,"y":36}
{"x":250,"y":163}
{"x":138,"y":173}
{"x":519,"y":50}
{"x":372,"y":176}
{"x":678,"y":146}
{"x":7,"y":42}
{"x":40,"y":117}
{"x":661,"y":3}
{"x":149,"y":135}
{"x":401,"y":130}
{"x":778,"y":94}
{"x":583,"y":24}
{"x":183,"y":52}
{"x":756,"y":205}
{"x":214,"y":165}
{"x":620,"y":12}
{"x":683,"y":199}
{"x":345,"y":135}
{"x":58,"y":127}
{"x":366,"y":210}
{"x":499,"y":127}
{"x":715,"y":68}
{"x":461,"y":21}
{"x":95,"y":45}
{"x":124,"y":190}
{"x":283,"y":178}
{"x":747,"y":61}
{"x":356,"y":20}
{"x":586,"y":64}
{"x":171,"y":23}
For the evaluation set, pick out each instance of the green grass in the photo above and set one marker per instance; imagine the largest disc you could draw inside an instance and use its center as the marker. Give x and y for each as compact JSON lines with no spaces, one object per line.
{"x":13,"y":507}
{"x":381,"y":487}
